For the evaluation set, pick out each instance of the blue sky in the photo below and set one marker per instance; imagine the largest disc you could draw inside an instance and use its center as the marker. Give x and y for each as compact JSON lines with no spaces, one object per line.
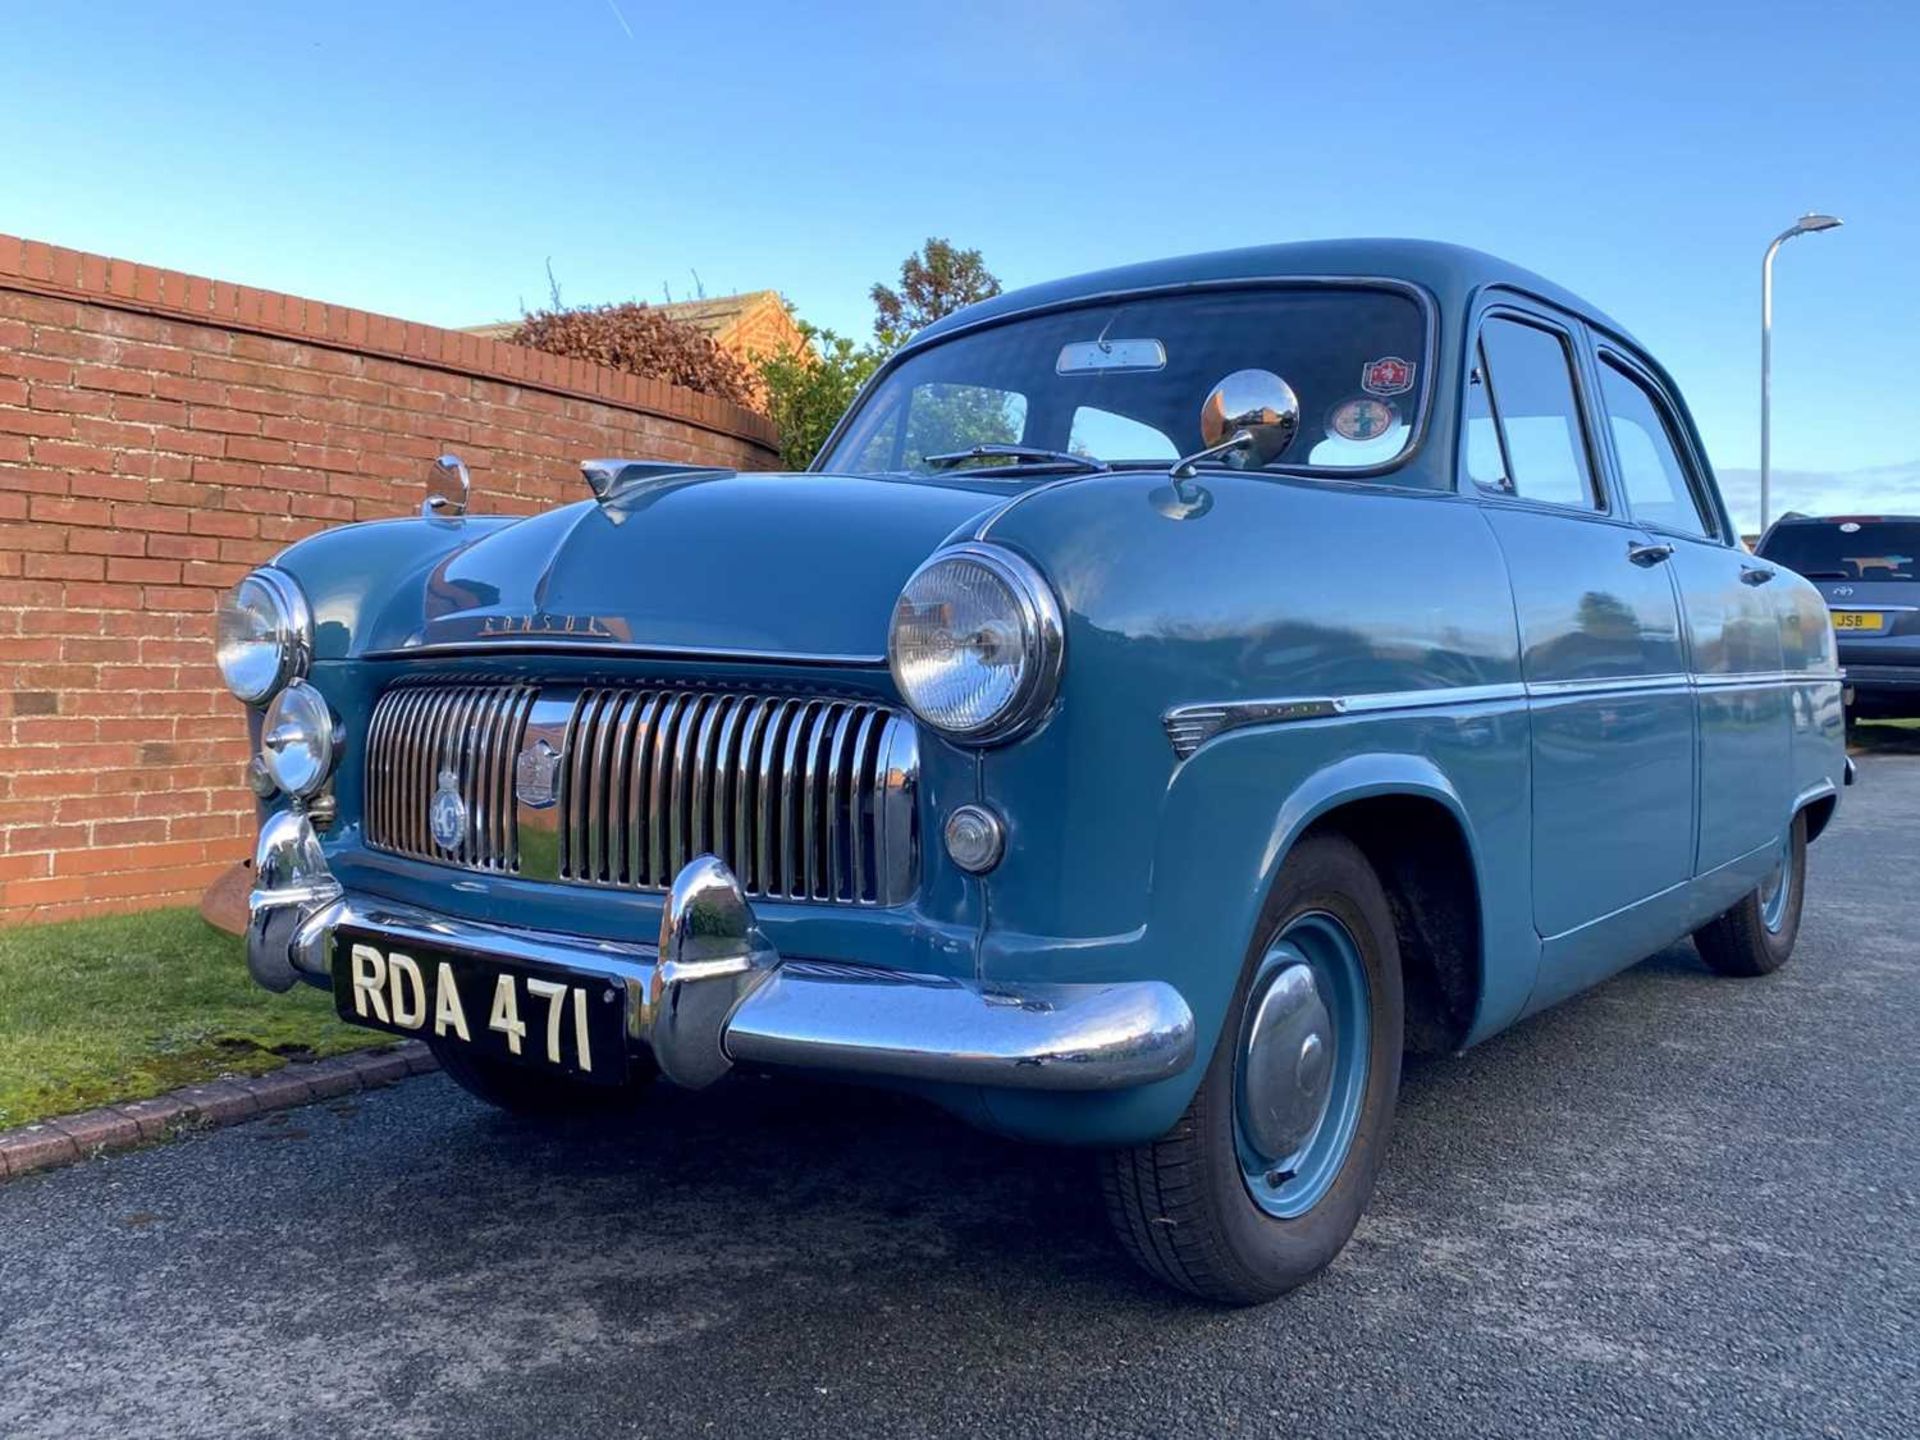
{"x":425,"y":159}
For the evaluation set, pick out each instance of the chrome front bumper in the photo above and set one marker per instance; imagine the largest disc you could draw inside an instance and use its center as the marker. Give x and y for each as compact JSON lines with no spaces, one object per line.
{"x":712,"y":992}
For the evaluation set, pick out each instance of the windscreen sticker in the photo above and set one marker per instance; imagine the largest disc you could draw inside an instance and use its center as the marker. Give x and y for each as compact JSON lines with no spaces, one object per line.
{"x":1361,"y":419}
{"x":1389,"y":375}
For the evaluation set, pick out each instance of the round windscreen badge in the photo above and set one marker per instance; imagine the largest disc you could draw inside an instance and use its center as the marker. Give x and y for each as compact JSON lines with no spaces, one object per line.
{"x":1361,"y":419}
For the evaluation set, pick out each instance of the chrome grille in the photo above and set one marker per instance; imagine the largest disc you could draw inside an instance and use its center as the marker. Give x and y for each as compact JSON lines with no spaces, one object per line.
{"x":471,"y":732}
{"x":803,"y":797}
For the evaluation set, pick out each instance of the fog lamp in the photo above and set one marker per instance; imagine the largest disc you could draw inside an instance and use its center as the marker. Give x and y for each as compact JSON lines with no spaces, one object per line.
{"x":299,"y":740}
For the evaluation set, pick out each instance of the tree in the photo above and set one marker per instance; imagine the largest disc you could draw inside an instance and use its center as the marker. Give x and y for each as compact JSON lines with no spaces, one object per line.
{"x":808,"y":391}
{"x":935,"y":281}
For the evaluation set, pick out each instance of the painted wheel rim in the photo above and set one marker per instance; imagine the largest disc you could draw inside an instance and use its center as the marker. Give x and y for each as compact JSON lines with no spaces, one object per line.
{"x":1302,"y":1065}
{"x":1776,"y":891}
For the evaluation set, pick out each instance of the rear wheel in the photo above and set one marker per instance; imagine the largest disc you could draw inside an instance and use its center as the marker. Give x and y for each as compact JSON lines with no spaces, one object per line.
{"x":1262,"y":1180}
{"x":521,"y":1090}
{"x":1756,"y":936}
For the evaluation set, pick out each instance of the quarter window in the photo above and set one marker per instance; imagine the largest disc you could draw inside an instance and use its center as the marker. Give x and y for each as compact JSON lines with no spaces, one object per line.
{"x":1645,"y":444}
{"x":1524,"y":435}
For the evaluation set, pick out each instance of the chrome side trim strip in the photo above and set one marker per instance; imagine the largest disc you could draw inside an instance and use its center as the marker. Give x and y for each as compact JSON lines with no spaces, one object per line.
{"x":1189,"y":727}
{"x":1606,"y":685}
{"x":1753,"y":679}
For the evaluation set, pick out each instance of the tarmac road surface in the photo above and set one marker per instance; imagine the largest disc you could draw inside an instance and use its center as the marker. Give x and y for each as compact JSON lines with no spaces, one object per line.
{"x":1677,"y":1205}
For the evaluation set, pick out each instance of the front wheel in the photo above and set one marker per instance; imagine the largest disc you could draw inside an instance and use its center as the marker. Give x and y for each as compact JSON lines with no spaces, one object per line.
{"x":1756,"y":936}
{"x":1260,"y":1183}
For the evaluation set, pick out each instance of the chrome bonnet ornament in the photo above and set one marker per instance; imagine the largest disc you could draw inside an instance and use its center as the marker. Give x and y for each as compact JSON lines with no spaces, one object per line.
{"x":449,"y":489}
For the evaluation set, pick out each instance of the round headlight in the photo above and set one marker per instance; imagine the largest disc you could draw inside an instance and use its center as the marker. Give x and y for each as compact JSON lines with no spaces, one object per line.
{"x":976,"y":643}
{"x":299,"y":739}
{"x":264,"y":635}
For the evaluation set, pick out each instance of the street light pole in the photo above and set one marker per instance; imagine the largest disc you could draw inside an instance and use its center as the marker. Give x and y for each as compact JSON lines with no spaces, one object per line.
{"x":1809,"y":224}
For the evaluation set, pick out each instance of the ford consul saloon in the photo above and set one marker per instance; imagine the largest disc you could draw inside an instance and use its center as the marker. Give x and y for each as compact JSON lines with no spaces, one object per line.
{"x":1172,"y":695}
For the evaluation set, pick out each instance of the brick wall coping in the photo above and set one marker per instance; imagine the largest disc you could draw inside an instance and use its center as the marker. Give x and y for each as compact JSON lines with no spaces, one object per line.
{"x":38,"y":268}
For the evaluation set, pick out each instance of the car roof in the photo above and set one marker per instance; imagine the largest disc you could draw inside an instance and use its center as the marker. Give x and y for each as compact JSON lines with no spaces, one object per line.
{"x":1450,"y":272}
{"x":1846,"y":519}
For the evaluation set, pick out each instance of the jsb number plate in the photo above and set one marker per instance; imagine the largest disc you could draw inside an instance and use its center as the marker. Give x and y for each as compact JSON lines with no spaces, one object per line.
{"x":561,"y":1020}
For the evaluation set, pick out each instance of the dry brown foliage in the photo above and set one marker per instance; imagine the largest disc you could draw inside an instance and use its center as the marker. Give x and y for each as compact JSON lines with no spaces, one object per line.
{"x":640,"y":340}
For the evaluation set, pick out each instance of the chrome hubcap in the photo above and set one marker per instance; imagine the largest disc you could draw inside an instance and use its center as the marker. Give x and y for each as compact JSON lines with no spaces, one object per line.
{"x":1302,"y":1065}
{"x":1287,"y":1068}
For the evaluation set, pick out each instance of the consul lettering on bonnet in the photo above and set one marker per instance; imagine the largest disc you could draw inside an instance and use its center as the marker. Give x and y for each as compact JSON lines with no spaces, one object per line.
{"x":1173,"y":694}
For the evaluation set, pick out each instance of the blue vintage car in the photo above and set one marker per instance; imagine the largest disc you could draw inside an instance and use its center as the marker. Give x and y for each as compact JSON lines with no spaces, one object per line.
{"x":1173,"y":694}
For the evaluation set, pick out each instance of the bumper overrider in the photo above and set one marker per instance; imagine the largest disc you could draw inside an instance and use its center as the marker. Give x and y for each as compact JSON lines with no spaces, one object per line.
{"x":712,"y":992}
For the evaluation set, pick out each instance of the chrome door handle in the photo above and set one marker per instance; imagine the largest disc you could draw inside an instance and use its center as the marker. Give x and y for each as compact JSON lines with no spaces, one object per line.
{"x":1650,"y":554}
{"x":1755,"y":574}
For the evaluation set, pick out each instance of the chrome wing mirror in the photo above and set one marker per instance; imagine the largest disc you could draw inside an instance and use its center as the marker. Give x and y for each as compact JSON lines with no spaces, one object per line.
{"x":449,"y":489}
{"x":1248,"y":420}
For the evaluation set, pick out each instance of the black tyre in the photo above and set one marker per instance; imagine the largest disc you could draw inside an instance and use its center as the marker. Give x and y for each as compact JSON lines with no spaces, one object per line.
{"x":521,"y":1090}
{"x":1210,"y":1207}
{"x":1756,"y":936}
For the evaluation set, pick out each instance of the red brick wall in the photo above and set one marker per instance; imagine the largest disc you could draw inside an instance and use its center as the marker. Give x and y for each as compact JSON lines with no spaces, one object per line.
{"x":160,"y":434}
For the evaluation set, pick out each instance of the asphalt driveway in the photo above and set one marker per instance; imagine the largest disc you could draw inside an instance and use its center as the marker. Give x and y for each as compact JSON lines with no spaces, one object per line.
{"x":1678,"y":1205}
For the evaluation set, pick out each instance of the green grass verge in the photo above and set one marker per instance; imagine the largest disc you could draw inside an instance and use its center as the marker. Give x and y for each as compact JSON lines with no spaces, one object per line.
{"x":127,"y":1006}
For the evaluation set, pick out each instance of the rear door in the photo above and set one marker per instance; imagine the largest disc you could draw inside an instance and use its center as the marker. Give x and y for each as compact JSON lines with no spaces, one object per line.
{"x":1608,"y":695}
{"x":1733,"y":631}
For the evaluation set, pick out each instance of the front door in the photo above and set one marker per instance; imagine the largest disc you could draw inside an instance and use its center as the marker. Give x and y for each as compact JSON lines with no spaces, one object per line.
{"x":1742,"y":701}
{"x":1608,"y":694}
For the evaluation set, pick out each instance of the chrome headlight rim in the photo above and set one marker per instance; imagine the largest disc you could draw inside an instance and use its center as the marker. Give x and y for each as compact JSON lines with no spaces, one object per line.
{"x":291,"y":633}
{"x":324,"y":737}
{"x":1042,"y":638}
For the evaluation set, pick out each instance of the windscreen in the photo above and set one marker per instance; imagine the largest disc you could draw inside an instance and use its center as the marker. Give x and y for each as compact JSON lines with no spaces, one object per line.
{"x":1123,"y":383}
{"x":1848,"y":549}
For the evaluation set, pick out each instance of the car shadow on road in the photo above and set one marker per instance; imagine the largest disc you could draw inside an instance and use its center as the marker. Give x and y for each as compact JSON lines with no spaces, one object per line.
{"x":743,"y":1197}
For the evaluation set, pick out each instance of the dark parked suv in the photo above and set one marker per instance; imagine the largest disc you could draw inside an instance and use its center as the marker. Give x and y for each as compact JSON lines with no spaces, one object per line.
{"x":1868,"y":568}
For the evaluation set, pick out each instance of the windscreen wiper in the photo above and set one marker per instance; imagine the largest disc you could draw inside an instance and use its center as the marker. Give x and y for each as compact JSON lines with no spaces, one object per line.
{"x":1026,"y":453}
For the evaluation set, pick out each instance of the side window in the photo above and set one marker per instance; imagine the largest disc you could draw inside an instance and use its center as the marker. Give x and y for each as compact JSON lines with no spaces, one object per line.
{"x":1522,"y":420}
{"x":1645,"y":442}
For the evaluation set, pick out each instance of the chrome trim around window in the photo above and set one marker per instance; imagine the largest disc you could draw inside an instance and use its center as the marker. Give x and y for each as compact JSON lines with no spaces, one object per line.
{"x":1421,"y":297}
